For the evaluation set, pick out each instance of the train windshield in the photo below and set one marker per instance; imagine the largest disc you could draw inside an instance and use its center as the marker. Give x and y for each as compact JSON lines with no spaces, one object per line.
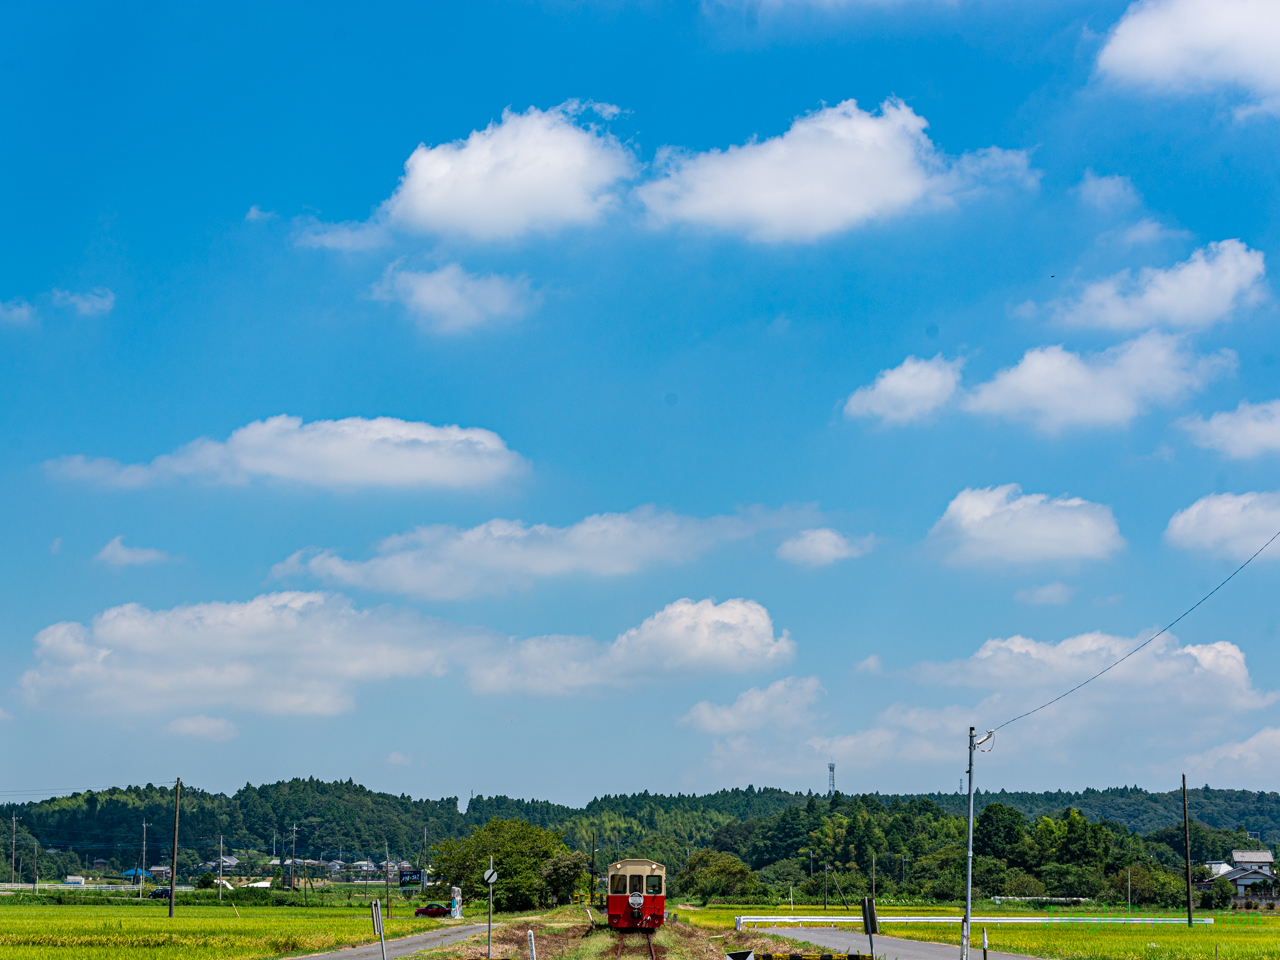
{"x":619,"y":884}
{"x":637,"y":883}
{"x":654,"y":888}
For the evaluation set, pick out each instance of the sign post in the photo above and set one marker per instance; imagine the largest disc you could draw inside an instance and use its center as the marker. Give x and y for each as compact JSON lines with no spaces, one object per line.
{"x":491,"y":877}
{"x":870,"y":924}
{"x":533,"y":952}
{"x":377,"y":926}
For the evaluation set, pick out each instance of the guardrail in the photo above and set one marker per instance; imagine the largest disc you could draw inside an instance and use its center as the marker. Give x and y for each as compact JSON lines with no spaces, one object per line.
{"x":740,"y":923}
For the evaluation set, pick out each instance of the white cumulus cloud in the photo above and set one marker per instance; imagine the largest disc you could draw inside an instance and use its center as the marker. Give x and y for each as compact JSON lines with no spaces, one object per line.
{"x":116,"y":554}
{"x":685,"y":638}
{"x":337,"y":454}
{"x":787,"y":702}
{"x":1248,"y":431}
{"x":823,"y":546}
{"x":1185,"y":46}
{"x":1230,"y":525}
{"x":1053,"y":594}
{"x":834,"y":169}
{"x":1209,"y":286}
{"x":207,"y":728}
{"x":1001,"y":525}
{"x":529,"y":172}
{"x":450,"y":300}
{"x":1108,"y":194}
{"x":280,"y":653}
{"x":1055,"y":389}
{"x":16,"y":311}
{"x":441,"y":562}
{"x":97,"y":300}
{"x":910,"y":391}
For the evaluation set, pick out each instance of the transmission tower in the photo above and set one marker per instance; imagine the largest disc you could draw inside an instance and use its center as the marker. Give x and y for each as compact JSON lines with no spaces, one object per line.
{"x":831,"y":779}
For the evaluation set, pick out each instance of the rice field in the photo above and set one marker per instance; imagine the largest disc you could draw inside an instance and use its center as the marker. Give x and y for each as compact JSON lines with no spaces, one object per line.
{"x":196,"y":933}
{"x":1234,"y":935}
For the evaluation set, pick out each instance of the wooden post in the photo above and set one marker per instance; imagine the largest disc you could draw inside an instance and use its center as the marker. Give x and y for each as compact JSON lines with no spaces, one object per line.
{"x":1186,"y":832}
{"x":173,"y":862}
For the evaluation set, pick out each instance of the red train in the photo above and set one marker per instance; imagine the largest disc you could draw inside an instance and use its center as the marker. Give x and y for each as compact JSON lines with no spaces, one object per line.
{"x":637,"y":897}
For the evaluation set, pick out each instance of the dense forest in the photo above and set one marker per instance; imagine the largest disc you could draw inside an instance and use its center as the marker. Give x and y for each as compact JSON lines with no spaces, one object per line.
{"x":764,"y":843}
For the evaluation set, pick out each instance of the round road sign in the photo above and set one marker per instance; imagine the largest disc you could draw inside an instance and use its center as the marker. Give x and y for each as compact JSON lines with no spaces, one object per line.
{"x":491,"y":876}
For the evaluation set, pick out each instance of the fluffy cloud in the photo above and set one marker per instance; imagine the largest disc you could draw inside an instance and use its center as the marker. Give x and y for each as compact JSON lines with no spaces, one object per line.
{"x":532,"y":171}
{"x":280,"y":653}
{"x":1230,"y":525}
{"x":908,"y":392}
{"x":1052,"y":594}
{"x":999,"y":525}
{"x":450,"y":300}
{"x":684,"y":638}
{"x":98,"y":300}
{"x":16,"y":311}
{"x":442,"y":562}
{"x":1147,"y":697}
{"x":1181,"y":46}
{"x":116,"y":554}
{"x":823,"y":546}
{"x":207,"y":728}
{"x":788,"y":702}
{"x":337,"y":454}
{"x":1208,"y":287}
{"x":833,"y":170}
{"x":1107,"y":194}
{"x":1248,"y":431}
{"x":306,"y":654}
{"x":1246,"y":764}
{"x":1054,"y":389}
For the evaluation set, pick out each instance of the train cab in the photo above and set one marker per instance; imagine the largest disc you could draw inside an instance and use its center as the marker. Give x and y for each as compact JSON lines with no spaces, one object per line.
{"x":637,"y":897}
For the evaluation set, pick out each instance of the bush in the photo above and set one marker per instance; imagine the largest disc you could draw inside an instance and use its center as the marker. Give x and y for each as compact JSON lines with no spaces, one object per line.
{"x":1020,"y":884}
{"x":207,"y":881}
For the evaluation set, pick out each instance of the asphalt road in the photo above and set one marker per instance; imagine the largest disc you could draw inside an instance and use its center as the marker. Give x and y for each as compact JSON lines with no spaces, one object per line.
{"x":891,"y":948}
{"x":403,"y":946}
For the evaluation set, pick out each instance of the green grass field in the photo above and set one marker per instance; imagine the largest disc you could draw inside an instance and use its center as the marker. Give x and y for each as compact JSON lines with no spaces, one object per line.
{"x":1241,"y":935}
{"x":196,"y":933}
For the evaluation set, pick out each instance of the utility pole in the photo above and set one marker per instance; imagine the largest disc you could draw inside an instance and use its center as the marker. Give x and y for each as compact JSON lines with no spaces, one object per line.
{"x":35,"y":876}
{"x":1186,"y":833}
{"x":968,"y":881}
{"x":173,"y":862}
{"x":387,"y":849}
{"x":422,"y":887}
{"x":219,"y":868}
{"x":13,"y":854}
{"x":143,"y":868}
{"x":293,"y":859}
{"x":826,"y":873}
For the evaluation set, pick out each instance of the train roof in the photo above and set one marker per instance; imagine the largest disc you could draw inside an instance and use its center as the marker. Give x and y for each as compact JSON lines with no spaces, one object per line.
{"x":649,"y":865}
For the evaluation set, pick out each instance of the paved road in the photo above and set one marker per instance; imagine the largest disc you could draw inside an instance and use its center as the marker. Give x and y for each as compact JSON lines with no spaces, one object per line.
{"x":844,"y":941}
{"x":403,"y":946}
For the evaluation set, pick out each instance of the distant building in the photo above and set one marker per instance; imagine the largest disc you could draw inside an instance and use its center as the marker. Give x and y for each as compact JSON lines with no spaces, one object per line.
{"x":101,"y":864}
{"x":160,"y":873}
{"x":75,"y":880}
{"x":1247,"y":869}
{"x":336,"y":866}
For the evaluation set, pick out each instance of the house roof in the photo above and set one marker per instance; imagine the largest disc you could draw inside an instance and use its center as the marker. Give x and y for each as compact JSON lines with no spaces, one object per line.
{"x":1252,"y":856}
{"x":1245,"y":873}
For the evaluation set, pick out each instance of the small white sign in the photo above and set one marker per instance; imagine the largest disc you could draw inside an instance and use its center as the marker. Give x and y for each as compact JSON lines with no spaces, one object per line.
{"x":636,"y":900}
{"x":491,"y":876}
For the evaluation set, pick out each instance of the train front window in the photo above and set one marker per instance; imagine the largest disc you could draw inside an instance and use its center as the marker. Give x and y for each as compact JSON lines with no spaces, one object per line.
{"x":637,"y":883}
{"x":619,"y":883}
{"x":654,"y":888}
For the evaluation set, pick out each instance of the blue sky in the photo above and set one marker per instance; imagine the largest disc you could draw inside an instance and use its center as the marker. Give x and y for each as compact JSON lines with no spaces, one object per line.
{"x":441,"y":395}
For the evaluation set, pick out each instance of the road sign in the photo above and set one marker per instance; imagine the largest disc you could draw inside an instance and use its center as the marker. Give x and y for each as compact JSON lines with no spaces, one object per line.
{"x":491,"y":876}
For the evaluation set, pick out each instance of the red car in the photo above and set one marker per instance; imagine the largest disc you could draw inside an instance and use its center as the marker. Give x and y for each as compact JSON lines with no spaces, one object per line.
{"x":432,"y":910}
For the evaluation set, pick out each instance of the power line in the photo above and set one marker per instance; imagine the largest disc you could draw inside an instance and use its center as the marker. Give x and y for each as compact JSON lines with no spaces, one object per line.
{"x":1144,"y":642}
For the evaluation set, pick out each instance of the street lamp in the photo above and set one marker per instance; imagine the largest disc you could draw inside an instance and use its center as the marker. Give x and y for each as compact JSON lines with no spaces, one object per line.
{"x":968,"y":882}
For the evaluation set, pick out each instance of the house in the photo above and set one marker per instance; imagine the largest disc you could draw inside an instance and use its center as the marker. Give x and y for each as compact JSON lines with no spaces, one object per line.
{"x":101,"y":865}
{"x":225,"y":862}
{"x":160,"y":873}
{"x":336,"y":866}
{"x":1249,"y":869}
{"x":365,"y":866}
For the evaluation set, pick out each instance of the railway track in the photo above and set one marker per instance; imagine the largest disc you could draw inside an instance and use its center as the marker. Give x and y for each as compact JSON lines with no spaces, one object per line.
{"x":648,"y":939}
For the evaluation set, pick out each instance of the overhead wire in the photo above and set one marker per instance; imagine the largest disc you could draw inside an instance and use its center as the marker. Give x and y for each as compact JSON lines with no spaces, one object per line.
{"x":1149,"y":639}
